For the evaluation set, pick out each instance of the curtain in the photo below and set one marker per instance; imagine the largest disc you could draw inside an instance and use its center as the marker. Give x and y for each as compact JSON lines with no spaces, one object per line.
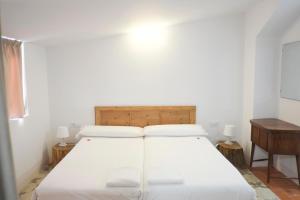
{"x":12,"y":56}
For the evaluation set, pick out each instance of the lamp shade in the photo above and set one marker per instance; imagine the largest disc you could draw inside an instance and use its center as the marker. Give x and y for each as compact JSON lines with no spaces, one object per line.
{"x":229,"y":130}
{"x":62,"y":132}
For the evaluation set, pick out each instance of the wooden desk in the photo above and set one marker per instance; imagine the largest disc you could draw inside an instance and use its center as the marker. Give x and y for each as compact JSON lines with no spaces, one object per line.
{"x":275,"y":137}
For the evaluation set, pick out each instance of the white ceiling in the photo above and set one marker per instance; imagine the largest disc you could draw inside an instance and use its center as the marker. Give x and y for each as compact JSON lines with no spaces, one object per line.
{"x":50,"y":22}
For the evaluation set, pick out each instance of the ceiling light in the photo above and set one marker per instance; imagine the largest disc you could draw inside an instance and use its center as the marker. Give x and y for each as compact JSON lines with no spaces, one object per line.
{"x":149,"y":35}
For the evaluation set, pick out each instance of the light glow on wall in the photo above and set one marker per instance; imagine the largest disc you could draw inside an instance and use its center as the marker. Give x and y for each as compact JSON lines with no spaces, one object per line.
{"x":149,"y":35}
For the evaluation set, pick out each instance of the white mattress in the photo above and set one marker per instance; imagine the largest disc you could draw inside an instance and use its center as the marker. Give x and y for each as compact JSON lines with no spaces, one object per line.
{"x":206,"y":173}
{"x":83,"y":173}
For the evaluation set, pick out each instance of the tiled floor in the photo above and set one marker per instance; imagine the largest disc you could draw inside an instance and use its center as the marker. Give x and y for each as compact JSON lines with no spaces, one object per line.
{"x":285,"y":189}
{"x":262,"y":191}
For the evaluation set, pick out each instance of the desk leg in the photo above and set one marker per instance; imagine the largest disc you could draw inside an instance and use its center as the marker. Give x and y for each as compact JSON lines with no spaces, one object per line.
{"x":270,"y":164}
{"x":252,"y":154}
{"x":298,"y":167}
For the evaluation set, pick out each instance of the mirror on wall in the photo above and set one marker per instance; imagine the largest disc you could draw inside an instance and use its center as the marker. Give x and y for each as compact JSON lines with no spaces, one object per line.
{"x":290,"y":71}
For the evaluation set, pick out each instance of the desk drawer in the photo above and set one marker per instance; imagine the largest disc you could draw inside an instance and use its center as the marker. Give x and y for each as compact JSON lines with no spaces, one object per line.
{"x":286,"y":144}
{"x":259,"y":137}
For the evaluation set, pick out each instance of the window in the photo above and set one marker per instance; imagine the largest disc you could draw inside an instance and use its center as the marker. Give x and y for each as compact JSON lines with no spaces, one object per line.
{"x":14,"y":78}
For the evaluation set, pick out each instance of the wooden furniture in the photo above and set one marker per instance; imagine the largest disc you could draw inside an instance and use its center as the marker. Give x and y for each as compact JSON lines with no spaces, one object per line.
{"x":145,"y":115}
{"x":275,"y":137}
{"x":58,"y":152}
{"x":234,"y":153}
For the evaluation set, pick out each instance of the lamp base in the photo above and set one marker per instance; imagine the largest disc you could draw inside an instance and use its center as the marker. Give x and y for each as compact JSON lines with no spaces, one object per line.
{"x":62,"y":144}
{"x":228,"y":142}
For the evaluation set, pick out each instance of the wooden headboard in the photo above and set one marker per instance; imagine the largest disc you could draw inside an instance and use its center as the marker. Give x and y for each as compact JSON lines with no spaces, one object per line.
{"x":144,"y":115}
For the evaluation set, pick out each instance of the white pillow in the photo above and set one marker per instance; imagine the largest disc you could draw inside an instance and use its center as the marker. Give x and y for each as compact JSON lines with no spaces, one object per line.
{"x":111,"y":131}
{"x":175,"y":130}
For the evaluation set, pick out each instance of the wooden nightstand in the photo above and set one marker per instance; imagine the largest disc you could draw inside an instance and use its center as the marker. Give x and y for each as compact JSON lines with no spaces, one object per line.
{"x":234,"y":153}
{"x":58,"y":152}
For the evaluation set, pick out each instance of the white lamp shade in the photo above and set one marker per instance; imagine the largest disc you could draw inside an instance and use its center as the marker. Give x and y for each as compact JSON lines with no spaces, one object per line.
{"x":62,"y":132}
{"x":229,"y":130}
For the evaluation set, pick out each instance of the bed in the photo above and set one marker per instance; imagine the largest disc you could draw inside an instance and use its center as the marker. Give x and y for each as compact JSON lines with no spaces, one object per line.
{"x":82,"y":174}
{"x":206,"y":174}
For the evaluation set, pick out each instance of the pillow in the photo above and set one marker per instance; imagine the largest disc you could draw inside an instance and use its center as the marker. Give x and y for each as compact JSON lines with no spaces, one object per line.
{"x":111,"y":131}
{"x":175,"y":130}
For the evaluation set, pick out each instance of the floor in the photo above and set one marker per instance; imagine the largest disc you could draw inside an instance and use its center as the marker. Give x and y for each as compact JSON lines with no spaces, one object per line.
{"x":285,"y":189}
{"x":262,"y":191}
{"x":26,"y":193}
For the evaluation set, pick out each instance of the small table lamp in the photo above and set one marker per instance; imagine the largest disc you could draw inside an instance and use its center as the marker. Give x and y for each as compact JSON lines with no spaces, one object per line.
{"x":62,"y":133}
{"x":229,"y":133}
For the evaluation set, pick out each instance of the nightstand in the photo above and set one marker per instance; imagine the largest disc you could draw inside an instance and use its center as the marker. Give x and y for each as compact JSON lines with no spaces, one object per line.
{"x":234,"y":153}
{"x":58,"y":152}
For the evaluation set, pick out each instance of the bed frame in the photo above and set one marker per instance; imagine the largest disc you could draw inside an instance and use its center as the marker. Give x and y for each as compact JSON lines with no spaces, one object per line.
{"x":144,"y":115}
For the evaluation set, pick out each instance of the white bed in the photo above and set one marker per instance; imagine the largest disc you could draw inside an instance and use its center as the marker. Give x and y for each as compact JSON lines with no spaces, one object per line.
{"x":206,"y":174}
{"x":83,"y":173}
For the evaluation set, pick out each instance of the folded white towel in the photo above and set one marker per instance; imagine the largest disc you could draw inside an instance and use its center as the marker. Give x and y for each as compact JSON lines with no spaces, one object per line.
{"x":124,"y":177}
{"x":159,"y":176}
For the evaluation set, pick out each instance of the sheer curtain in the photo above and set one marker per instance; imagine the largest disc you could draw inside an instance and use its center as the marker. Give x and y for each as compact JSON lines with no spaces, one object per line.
{"x":12,"y":56}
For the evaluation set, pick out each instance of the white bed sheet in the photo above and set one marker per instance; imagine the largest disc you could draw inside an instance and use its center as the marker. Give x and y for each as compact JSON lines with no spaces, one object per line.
{"x":207,"y":174}
{"x":83,"y":173}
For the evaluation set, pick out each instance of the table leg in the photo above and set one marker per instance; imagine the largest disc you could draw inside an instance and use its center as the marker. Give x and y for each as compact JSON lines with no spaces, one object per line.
{"x":252,"y":154}
{"x":270,"y":164}
{"x":298,"y":167}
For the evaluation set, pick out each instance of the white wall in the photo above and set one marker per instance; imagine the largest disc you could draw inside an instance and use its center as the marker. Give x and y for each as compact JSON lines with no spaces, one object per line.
{"x":265,"y":23}
{"x":201,"y":64}
{"x":289,"y":110}
{"x":256,"y":18}
{"x":266,"y":90}
{"x":29,"y":135}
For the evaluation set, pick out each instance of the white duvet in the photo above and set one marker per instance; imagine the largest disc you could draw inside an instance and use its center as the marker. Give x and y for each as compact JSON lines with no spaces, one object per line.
{"x":83,"y":173}
{"x":206,"y":174}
